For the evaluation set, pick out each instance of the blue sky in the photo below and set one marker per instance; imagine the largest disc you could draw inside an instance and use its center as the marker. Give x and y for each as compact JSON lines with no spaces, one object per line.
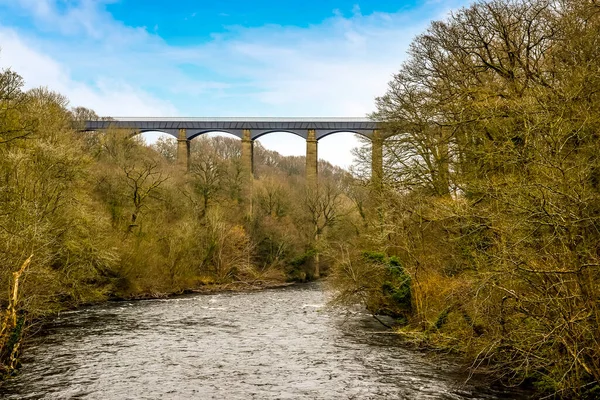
{"x":217,"y":58}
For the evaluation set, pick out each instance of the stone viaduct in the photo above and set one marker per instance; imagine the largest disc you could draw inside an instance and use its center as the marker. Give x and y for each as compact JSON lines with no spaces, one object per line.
{"x":250,"y":129}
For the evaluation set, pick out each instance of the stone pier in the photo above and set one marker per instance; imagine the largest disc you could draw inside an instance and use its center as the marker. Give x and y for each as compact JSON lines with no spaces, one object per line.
{"x":312,"y":180}
{"x":247,"y":169}
{"x":312,"y":161}
{"x":183,"y":150}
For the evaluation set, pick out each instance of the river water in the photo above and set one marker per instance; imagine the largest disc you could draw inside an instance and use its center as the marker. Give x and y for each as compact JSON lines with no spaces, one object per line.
{"x":272,"y":344}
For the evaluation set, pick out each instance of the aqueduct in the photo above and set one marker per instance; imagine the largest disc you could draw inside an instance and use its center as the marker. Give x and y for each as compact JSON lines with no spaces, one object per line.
{"x":250,"y":129}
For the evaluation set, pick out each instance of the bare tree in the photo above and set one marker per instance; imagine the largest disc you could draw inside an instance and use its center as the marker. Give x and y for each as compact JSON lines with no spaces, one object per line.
{"x":143,"y":180}
{"x":322,"y":208}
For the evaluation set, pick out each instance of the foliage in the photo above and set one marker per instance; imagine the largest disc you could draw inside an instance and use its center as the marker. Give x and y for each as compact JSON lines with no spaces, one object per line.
{"x":492,"y":199}
{"x":377,"y":281}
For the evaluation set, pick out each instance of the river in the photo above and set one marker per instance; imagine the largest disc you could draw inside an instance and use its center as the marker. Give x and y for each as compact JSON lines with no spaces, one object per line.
{"x":272,"y":344}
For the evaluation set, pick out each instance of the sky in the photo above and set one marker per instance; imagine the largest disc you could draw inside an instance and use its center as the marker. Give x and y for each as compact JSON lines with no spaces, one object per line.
{"x":218,"y":58}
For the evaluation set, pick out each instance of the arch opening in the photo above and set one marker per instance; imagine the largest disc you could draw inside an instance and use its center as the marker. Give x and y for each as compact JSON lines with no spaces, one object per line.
{"x":192,"y":134}
{"x":260,"y":134}
{"x":338,"y":149}
{"x":162,"y":142}
{"x":151,"y":137}
{"x":216,"y":144}
{"x":279,"y":151}
{"x":324,"y":134}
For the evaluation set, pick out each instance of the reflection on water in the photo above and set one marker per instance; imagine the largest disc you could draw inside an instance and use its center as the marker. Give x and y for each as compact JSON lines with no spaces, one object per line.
{"x":275,"y":344}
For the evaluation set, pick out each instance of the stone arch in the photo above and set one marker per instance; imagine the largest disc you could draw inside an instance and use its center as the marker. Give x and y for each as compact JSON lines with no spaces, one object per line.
{"x":256,"y":134}
{"x":323,"y":133}
{"x":171,"y":132}
{"x":192,"y":134}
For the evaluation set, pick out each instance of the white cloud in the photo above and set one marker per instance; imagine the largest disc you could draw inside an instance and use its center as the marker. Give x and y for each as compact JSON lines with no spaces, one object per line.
{"x":107,"y":97}
{"x":335,"y":68}
{"x":80,"y":18}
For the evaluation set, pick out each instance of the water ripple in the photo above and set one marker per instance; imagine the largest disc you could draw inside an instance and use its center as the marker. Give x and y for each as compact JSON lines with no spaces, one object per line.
{"x":282,"y":344}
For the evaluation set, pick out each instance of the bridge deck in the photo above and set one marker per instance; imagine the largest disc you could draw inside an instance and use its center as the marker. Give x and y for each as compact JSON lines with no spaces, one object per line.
{"x":235,"y":125}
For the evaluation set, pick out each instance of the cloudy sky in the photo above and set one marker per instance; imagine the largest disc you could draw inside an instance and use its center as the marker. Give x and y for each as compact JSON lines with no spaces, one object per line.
{"x":217,"y":58}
